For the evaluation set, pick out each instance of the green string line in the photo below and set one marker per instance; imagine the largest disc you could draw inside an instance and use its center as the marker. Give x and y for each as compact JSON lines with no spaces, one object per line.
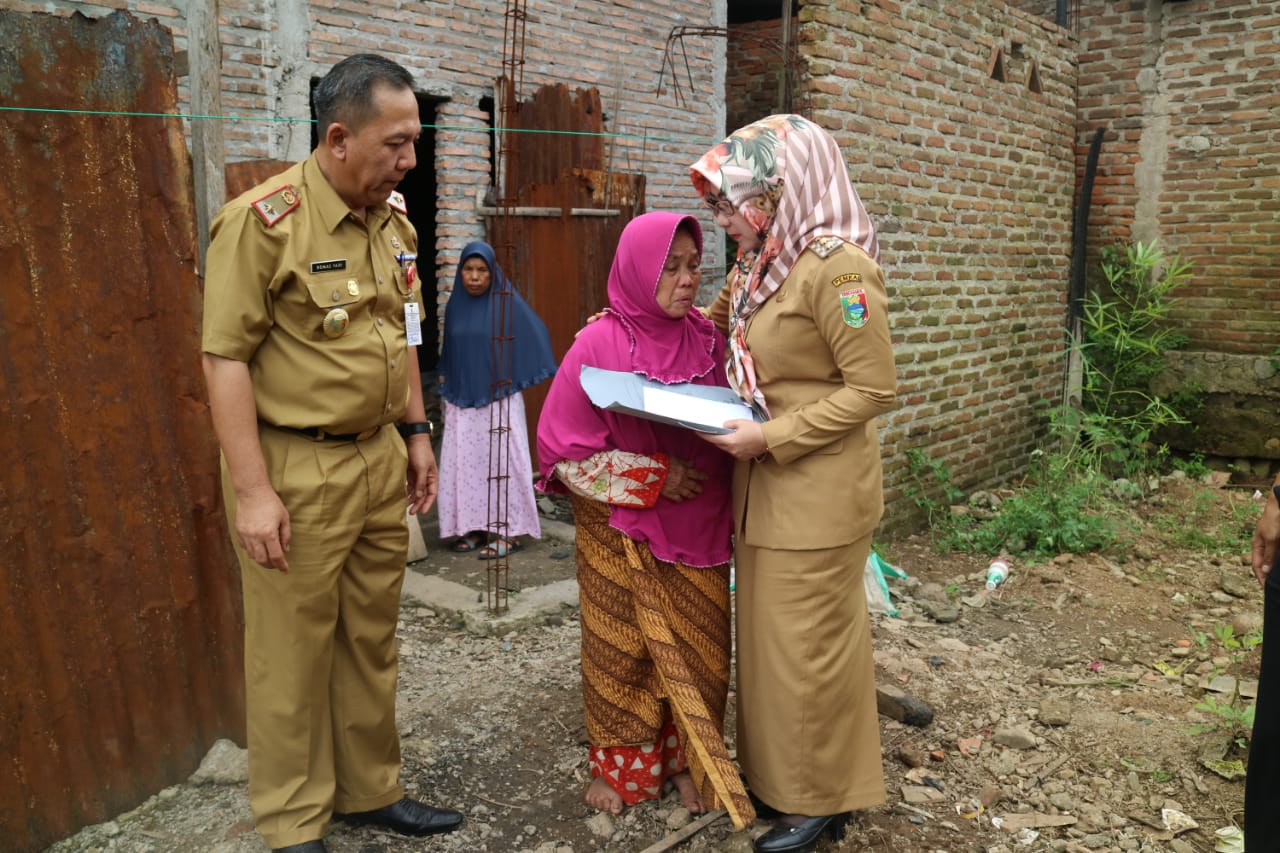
{"x":233,"y":118}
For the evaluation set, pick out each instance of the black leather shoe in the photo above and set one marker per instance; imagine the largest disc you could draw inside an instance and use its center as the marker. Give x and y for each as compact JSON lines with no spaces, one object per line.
{"x":304,"y":847}
{"x":407,"y":817}
{"x":785,"y":838}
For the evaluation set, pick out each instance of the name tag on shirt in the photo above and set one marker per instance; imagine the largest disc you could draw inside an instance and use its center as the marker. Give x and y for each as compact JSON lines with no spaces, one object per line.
{"x":412,"y":324}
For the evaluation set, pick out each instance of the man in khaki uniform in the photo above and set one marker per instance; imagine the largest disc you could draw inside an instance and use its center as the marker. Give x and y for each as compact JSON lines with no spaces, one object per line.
{"x":311,"y":325}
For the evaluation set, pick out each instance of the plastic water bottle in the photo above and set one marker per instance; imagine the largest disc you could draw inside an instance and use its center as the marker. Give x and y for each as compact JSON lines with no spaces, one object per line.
{"x":997,"y":572}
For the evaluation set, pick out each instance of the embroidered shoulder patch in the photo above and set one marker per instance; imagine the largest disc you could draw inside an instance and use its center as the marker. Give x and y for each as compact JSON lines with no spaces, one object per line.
{"x":824,"y":246}
{"x":846,"y":278}
{"x":277,"y":204}
{"x":853,"y":307}
{"x":396,"y":202}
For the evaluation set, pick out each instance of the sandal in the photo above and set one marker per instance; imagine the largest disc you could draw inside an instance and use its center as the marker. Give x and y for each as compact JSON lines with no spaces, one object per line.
{"x":499,"y":548}
{"x":470,"y":542}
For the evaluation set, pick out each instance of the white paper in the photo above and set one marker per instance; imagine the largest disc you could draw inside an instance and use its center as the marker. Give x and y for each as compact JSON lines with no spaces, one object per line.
{"x":685,"y":408}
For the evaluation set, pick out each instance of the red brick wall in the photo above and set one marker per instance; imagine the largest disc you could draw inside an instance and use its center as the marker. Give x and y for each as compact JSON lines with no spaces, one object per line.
{"x":1186,"y":94}
{"x":969,"y":181}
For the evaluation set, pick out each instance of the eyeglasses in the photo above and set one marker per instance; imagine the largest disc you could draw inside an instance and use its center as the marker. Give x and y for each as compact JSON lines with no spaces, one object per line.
{"x":722,"y":207}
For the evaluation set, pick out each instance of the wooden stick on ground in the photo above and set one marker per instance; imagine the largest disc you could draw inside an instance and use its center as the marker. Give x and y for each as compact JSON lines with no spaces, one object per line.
{"x":685,"y":832}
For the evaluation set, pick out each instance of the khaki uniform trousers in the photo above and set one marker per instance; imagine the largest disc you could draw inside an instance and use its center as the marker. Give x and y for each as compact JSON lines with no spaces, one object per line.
{"x":320,"y":650}
{"x":808,"y":734}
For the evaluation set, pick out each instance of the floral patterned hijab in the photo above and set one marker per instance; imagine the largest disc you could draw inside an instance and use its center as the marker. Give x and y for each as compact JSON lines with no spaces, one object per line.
{"x":787,"y":177}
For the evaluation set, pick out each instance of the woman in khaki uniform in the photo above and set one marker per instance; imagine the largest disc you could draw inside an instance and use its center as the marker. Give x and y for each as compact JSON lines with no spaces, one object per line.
{"x":805,"y":313}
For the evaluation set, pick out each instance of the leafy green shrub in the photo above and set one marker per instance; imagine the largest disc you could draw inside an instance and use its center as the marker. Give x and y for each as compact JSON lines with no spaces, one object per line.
{"x":1062,"y":505}
{"x":1126,"y":333}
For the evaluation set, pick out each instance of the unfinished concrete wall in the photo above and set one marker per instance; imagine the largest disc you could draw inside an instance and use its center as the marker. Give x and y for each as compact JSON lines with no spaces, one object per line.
{"x":958,"y":126}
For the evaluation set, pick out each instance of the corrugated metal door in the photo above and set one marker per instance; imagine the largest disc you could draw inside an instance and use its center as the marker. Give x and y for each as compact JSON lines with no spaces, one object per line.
{"x":558,"y":243}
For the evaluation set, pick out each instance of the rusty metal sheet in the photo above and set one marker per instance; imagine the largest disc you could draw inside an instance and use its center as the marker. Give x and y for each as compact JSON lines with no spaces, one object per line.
{"x":561,"y":264}
{"x":120,"y":628}
{"x":542,"y":156}
{"x":247,"y":174}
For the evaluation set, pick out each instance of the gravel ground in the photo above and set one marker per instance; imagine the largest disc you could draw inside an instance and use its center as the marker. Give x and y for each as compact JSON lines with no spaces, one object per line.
{"x":1064,"y":705}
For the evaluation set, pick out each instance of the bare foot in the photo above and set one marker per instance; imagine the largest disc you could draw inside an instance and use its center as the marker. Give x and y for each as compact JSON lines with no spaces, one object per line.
{"x":603,"y":797}
{"x":688,"y":793}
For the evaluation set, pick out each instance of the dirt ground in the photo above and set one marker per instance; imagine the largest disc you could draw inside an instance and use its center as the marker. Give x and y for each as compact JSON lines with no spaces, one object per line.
{"x":1064,"y":709}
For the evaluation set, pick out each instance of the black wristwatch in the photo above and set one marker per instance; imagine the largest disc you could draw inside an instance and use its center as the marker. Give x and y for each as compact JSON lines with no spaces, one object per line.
{"x":414,"y":428}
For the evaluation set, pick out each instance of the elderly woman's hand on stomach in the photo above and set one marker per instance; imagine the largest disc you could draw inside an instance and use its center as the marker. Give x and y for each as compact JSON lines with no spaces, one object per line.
{"x":683,"y":480}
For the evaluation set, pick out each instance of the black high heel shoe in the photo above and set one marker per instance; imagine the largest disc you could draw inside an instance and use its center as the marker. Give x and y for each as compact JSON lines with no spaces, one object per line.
{"x":785,"y":838}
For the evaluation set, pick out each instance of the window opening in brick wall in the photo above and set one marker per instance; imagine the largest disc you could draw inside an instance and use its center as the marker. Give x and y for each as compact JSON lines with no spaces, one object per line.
{"x":1033,"y":78}
{"x":995,"y":68}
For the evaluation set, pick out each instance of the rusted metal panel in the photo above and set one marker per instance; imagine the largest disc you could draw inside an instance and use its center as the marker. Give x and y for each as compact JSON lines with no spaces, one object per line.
{"x":544,"y":154}
{"x":120,"y":628}
{"x":247,"y":174}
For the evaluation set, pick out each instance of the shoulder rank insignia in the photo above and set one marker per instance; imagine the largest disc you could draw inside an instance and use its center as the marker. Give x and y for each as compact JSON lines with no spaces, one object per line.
{"x":823,"y":247}
{"x":853,"y":307}
{"x":396,"y":202}
{"x":277,"y":204}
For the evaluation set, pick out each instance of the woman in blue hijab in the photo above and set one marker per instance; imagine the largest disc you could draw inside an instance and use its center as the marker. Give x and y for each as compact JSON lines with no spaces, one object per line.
{"x":495,"y":346}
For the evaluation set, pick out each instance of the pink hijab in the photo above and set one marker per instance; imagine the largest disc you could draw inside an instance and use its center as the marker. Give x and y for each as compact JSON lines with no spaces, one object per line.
{"x":636,"y":336}
{"x":787,"y":177}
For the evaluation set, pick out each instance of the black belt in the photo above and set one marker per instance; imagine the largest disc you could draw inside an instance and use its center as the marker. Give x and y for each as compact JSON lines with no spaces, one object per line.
{"x":317,"y":434}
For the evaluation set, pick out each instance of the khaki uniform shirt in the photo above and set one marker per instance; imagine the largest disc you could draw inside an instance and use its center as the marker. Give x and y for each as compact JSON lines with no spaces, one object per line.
{"x":825,"y":365}
{"x":314,"y":301}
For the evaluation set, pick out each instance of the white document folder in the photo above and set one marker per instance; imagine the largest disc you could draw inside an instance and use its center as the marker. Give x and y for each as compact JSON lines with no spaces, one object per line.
{"x":704,"y":408}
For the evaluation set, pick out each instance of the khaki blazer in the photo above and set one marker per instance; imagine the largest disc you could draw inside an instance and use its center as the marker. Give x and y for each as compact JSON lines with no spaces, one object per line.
{"x":824,"y":363}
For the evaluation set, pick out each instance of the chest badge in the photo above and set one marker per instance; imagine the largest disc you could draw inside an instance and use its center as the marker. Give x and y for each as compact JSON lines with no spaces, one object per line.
{"x":395,"y":242}
{"x":853,"y":307}
{"x":336,"y":322}
{"x":353,"y":289}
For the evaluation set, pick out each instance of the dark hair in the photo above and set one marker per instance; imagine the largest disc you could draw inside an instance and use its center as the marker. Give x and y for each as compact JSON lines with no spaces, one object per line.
{"x":345,"y":94}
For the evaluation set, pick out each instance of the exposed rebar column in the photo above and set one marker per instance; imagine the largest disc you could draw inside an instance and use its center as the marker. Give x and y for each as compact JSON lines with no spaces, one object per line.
{"x":502,"y":343}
